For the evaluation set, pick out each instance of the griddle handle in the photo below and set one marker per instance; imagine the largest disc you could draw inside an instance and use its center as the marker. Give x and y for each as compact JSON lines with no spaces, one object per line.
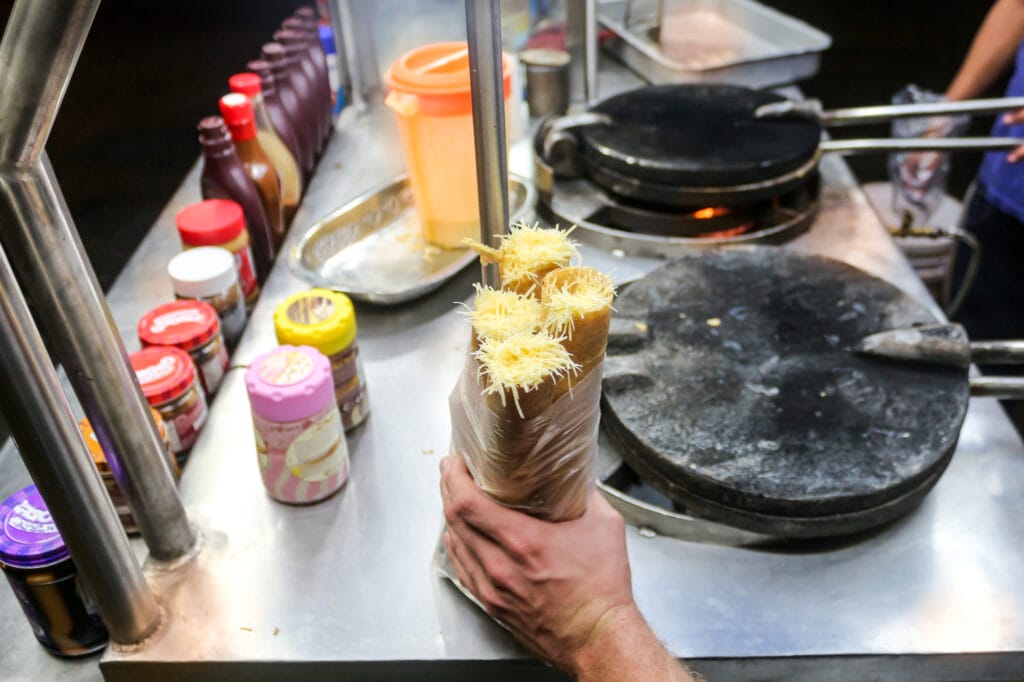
{"x":910,"y":144}
{"x":997,"y":352}
{"x":1003,"y":388}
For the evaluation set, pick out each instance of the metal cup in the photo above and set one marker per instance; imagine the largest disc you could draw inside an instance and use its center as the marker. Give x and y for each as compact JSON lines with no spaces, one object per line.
{"x":547,"y":81}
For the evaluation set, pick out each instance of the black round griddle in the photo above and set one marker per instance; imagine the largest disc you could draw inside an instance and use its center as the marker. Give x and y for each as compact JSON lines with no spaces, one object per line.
{"x":697,"y":136}
{"x":730,"y":387}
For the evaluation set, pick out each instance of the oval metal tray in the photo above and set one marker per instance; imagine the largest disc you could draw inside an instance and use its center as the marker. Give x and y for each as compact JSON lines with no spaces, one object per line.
{"x":372,"y":248}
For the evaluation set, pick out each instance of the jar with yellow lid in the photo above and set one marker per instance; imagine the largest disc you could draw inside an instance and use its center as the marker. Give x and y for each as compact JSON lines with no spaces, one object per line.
{"x":326,"y":320}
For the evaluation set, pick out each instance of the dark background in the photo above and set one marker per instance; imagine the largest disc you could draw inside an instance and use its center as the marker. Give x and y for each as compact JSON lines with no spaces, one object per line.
{"x":125,"y":135}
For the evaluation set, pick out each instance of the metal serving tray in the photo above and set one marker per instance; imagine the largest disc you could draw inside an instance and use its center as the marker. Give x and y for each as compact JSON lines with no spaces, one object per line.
{"x":766,"y":47}
{"x":373,"y":249}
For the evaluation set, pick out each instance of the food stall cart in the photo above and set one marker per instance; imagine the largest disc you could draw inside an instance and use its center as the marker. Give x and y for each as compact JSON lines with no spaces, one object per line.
{"x":348,"y":587}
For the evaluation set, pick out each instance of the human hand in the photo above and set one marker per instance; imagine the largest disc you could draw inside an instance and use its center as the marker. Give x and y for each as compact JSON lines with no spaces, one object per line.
{"x":1013,"y":118}
{"x":557,"y":586}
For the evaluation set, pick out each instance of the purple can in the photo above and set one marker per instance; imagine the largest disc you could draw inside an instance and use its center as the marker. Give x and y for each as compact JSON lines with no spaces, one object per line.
{"x":44,"y":579}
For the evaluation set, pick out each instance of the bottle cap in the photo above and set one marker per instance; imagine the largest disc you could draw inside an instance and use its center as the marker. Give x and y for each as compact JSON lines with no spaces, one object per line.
{"x":164,"y":372}
{"x":202,"y":272}
{"x":289,"y":383}
{"x":185,"y":324}
{"x":28,"y":536}
{"x":320,"y":318}
{"x":210,"y":223}
{"x":327,"y":39}
{"x":274,"y":53}
{"x":237,"y":112}
{"x":246,"y":83}
{"x":289,"y":38}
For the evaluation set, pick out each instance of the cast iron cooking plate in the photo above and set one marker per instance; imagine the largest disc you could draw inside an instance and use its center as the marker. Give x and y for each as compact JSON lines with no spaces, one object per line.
{"x":730,"y":387}
{"x":698,"y":136}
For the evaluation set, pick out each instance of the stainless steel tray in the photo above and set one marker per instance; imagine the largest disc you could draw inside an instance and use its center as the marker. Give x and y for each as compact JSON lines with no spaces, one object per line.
{"x":373,"y":249}
{"x":767,"y":48}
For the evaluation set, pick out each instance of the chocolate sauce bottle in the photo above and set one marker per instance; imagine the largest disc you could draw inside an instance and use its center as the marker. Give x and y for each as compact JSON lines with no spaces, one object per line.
{"x":302,"y":81}
{"x":296,"y":33}
{"x":279,"y":116}
{"x":224,"y":177}
{"x":302,"y":116}
{"x":237,"y":112}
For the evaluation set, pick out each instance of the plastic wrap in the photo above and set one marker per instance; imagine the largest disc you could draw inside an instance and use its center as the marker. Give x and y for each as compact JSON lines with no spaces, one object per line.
{"x":919,"y":178}
{"x":542,"y":465}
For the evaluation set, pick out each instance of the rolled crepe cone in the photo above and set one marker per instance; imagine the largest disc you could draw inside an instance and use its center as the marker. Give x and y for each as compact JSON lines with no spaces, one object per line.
{"x":579,"y":312}
{"x":526,"y":255}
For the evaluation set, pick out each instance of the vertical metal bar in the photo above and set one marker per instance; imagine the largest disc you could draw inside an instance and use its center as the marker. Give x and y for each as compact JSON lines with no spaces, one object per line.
{"x":590,"y":51}
{"x":344,"y":80}
{"x":581,"y":42}
{"x":55,"y":454}
{"x":483,"y":29}
{"x":37,"y":55}
{"x":351,"y":52}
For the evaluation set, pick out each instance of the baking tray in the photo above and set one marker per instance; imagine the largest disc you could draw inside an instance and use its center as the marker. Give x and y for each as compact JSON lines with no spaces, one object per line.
{"x":373,"y":248}
{"x":761,"y":47}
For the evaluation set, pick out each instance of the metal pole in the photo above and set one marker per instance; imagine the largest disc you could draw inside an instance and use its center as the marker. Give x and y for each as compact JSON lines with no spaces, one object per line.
{"x":55,"y":454}
{"x":483,"y":29}
{"x":344,"y":79}
{"x":581,"y":42}
{"x":590,"y":50}
{"x":39,"y":49}
{"x":347,"y":34}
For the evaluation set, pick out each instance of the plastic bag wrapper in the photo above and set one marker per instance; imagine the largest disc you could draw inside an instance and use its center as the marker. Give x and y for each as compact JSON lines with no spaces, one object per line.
{"x":543,"y":465}
{"x":919,"y":178}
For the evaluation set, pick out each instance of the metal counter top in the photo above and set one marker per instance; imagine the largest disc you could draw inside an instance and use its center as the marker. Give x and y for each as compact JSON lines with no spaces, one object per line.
{"x":346,"y":586}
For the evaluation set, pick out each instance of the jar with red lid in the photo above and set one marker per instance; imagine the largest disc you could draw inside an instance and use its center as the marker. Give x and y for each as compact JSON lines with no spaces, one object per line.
{"x":221,"y":222}
{"x":192,"y":326}
{"x":170,"y":383}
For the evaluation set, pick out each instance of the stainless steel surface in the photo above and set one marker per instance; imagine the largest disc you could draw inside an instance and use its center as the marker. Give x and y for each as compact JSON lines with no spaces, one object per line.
{"x":39,"y":50}
{"x":590,"y":81}
{"x":1002,"y":388}
{"x":997,"y":352}
{"x":344,"y":80}
{"x":781,"y":49}
{"x":373,"y":248}
{"x":886,"y":112}
{"x":55,"y":453}
{"x":907,"y":144}
{"x":939,"y":344}
{"x":483,"y":32}
{"x":581,"y":42}
{"x":352,"y":36}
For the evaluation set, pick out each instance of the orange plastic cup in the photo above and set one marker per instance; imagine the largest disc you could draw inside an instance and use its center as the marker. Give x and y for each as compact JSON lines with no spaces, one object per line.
{"x":430,"y":94}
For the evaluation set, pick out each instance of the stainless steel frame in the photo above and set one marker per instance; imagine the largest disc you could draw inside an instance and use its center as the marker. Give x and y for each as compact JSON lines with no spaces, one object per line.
{"x":40,"y":47}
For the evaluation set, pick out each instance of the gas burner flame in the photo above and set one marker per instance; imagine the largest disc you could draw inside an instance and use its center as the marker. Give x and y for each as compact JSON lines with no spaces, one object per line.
{"x":711,"y":212}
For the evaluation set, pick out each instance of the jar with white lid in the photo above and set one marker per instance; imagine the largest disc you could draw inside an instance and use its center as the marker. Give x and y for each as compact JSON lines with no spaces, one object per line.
{"x":208,"y":274}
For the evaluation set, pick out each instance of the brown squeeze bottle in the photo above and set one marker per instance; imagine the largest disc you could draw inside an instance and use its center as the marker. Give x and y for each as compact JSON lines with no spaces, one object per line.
{"x":303,"y":85}
{"x":318,"y":59}
{"x":279,"y":116}
{"x":237,"y":112}
{"x":297,"y":43}
{"x":224,"y":177}
{"x":302,"y":116}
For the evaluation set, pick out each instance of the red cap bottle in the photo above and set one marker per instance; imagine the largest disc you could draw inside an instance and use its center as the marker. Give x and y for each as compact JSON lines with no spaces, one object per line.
{"x":237,"y":112}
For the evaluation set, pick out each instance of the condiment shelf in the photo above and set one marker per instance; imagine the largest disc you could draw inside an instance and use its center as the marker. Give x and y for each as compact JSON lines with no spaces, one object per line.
{"x":347,"y":587}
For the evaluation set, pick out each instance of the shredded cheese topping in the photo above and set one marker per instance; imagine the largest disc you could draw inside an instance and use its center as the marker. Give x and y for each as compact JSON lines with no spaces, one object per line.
{"x":499,"y":314}
{"x":569,"y":294}
{"x":526,"y":251}
{"x":522,"y":362}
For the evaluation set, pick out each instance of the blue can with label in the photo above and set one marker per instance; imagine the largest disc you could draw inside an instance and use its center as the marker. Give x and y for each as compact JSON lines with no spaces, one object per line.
{"x":40,"y":571}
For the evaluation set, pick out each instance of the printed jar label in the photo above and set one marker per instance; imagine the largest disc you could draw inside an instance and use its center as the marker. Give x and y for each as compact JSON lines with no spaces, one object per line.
{"x":213,"y":370}
{"x":246,"y":273}
{"x":319,"y":452}
{"x":187,"y":424}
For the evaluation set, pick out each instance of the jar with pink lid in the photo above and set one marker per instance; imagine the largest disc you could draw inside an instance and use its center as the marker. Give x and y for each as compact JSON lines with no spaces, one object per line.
{"x":300,"y":443}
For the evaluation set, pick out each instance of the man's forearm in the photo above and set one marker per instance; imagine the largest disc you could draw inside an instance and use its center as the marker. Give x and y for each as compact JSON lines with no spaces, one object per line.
{"x":992,"y":50}
{"x":625,"y":648}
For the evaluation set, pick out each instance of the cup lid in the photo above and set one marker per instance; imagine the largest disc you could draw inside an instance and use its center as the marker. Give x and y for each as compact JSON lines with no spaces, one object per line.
{"x":289,"y":383}
{"x":440,"y":72}
{"x":210,"y":223}
{"x":186,"y":324}
{"x":203,"y":271}
{"x":164,"y":372}
{"x":28,"y":535}
{"x":321,"y":318}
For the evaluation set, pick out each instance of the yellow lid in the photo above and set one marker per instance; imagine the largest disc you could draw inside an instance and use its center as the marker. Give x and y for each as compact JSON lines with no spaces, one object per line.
{"x":320,"y":318}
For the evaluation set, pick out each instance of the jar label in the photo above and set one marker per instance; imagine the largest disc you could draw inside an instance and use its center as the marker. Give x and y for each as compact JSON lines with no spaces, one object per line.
{"x":213,"y":370}
{"x":27,"y":523}
{"x":187,"y":423}
{"x":286,"y":367}
{"x":319,"y":452}
{"x":246,"y":273}
{"x":167,"y":365}
{"x":175,"y":318}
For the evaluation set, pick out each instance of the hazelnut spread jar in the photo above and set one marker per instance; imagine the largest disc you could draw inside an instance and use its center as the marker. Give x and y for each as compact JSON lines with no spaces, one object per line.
{"x":169,"y":381}
{"x":221,"y":222}
{"x":300,"y":444}
{"x":326,"y":320}
{"x":45,"y":581}
{"x":208,"y":274}
{"x":192,"y":326}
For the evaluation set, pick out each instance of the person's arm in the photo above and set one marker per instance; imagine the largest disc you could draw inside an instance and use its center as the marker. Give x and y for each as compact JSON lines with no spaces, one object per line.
{"x":992,"y":51}
{"x":562,"y":589}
